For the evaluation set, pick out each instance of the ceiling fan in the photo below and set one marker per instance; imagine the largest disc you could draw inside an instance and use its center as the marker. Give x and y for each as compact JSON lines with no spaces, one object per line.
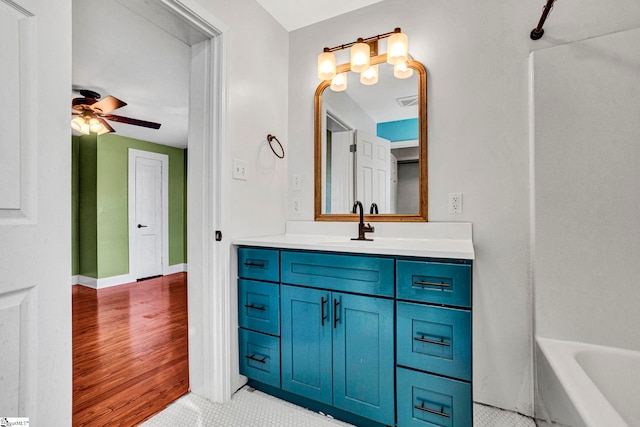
{"x":92,"y":114}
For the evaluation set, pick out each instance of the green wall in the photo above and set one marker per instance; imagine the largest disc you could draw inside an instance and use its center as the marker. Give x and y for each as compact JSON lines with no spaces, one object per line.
{"x":75,"y":146}
{"x":87,"y":208}
{"x":110,"y":167}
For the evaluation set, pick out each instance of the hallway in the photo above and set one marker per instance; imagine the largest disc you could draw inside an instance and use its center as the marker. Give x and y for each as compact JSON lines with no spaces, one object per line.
{"x":130,"y":350}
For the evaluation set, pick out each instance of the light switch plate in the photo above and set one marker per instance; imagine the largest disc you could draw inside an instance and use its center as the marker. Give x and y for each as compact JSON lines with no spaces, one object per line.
{"x":239,"y":169}
{"x":297,"y":182}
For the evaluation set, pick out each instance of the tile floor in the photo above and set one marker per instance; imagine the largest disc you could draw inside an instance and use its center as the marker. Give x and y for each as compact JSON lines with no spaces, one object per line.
{"x":256,"y":409}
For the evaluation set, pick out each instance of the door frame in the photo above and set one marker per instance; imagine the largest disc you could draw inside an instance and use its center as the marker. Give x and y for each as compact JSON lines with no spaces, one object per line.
{"x":208,"y":286}
{"x":164,"y":161}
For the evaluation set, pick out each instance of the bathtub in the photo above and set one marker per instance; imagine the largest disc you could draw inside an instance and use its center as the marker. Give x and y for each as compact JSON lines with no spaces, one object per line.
{"x":587,"y":385}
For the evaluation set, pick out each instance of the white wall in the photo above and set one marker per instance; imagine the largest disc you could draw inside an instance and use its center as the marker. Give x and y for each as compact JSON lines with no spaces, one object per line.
{"x":587,"y":175}
{"x":476,"y":55}
{"x":257,"y":72}
{"x":257,"y":92}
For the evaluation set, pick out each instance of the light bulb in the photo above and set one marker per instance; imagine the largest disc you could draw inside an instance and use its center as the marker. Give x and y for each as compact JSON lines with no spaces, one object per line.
{"x":360,"y":54}
{"x":339,"y":82}
{"x":80,"y":125}
{"x":397,"y":48}
{"x":401,"y":71}
{"x":370,"y":76}
{"x":326,"y":66}
{"x":95,"y":125}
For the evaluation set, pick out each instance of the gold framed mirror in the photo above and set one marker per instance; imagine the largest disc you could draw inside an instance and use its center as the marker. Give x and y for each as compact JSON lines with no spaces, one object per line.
{"x":376,"y":165}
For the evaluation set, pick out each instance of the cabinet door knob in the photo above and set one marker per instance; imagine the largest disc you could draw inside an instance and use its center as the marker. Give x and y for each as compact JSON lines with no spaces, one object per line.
{"x":142,"y":226}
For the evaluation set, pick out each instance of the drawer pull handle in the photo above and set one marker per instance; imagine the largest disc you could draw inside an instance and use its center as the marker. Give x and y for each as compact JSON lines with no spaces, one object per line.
{"x":441,"y":342}
{"x":431,"y":411}
{"x":255,"y":359}
{"x":323,"y":317}
{"x":255,"y":307}
{"x":440,"y":285}
{"x":254,"y":264}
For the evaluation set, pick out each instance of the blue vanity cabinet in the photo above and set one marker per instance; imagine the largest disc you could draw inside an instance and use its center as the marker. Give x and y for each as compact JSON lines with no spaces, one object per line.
{"x":259,"y":314}
{"x":337,"y":348}
{"x":433,"y":343}
{"x":370,"y":339}
{"x":306,"y":343}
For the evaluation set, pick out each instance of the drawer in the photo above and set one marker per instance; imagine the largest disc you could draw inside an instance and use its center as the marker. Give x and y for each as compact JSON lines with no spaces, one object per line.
{"x":434,"y":282}
{"x":259,"y":264}
{"x":434,"y":339}
{"x":259,"y":306}
{"x":337,"y":272}
{"x":426,"y":400}
{"x":260,"y":357}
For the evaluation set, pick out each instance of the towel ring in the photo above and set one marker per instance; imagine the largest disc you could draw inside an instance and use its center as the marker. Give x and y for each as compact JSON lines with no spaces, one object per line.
{"x":271,"y":138}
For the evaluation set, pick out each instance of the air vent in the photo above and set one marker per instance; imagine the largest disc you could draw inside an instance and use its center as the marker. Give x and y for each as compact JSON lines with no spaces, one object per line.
{"x":408,"y":101}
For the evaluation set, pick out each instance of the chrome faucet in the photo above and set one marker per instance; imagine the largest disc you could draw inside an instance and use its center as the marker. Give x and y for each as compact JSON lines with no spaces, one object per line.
{"x":362,"y":228}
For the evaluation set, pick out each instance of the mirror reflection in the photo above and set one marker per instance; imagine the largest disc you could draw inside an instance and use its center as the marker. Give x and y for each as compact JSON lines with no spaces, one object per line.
{"x":370,"y":146}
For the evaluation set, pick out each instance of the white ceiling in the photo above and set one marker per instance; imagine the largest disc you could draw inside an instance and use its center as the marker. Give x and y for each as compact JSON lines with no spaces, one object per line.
{"x":118,"y":52}
{"x":294,"y":14}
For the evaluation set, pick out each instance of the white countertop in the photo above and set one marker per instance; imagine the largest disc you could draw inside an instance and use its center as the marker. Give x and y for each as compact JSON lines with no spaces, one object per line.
{"x":437,"y":240}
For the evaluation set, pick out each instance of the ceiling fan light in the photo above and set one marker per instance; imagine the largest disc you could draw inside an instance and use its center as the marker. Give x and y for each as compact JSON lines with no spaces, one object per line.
{"x":326,"y":66}
{"x":401,"y":71}
{"x":360,"y":56}
{"x":397,"y":48}
{"x":370,"y":76}
{"x":80,"y":125}
{"x":339,"y":82}
{"x":95,"y":126}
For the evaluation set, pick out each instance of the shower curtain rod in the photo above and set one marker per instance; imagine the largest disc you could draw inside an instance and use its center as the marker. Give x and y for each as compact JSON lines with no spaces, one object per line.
{"x":537,"y":32}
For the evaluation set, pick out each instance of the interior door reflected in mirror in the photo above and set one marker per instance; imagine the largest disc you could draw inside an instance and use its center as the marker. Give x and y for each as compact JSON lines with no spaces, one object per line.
{"x":371,"y":146}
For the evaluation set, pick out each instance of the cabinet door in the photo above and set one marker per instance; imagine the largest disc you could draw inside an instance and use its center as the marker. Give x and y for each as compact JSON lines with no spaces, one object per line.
{"x":363,"y":376}
{"x":306,"y":342}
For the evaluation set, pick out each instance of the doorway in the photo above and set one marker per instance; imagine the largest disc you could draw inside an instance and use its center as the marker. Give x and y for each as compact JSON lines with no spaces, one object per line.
{"x":208,"y":308}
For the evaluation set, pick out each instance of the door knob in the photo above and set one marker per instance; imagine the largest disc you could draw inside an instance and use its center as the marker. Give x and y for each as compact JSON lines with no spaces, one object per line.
{"x":141,"y":226}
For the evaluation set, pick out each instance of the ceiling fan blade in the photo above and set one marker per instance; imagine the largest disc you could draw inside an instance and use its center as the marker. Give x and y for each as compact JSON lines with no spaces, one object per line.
{"x":130,"y":121}
{"x":106,"y":125}
{"x":108,"y":104}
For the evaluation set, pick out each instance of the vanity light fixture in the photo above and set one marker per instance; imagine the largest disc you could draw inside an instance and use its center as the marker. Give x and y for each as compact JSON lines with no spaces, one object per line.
{"x":370,"y":76}
{"x":401,"y":71}
{"x":397,"y":48}
{"x":326,"y":65}
{"x":339,"y":82}
{"x":361,"y":52}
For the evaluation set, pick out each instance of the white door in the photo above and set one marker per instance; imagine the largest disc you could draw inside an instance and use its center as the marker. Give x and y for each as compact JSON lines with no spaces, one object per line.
{"x":373,"y":165}
{"x":341,"y":173}
{"x":147,"y":174}
{"x":35,"y":211}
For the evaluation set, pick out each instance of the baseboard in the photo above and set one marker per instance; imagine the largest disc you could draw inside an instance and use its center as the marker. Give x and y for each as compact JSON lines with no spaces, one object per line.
{"x":176,"y":268}
{"x":107,"y":282}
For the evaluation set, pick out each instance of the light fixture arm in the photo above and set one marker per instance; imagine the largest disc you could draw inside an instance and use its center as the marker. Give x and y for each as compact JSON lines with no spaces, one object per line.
{"x":361,"y":40}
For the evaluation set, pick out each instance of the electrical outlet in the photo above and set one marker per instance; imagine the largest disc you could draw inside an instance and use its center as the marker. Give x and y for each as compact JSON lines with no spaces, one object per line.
{"x":239,"y":169}
{"x":455,"y":203}
{"x":297,"y":182}
{"x":295,"y":206}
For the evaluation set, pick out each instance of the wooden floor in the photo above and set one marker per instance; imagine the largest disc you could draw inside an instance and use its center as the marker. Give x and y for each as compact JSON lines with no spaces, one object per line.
{"x":130,"y":355}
